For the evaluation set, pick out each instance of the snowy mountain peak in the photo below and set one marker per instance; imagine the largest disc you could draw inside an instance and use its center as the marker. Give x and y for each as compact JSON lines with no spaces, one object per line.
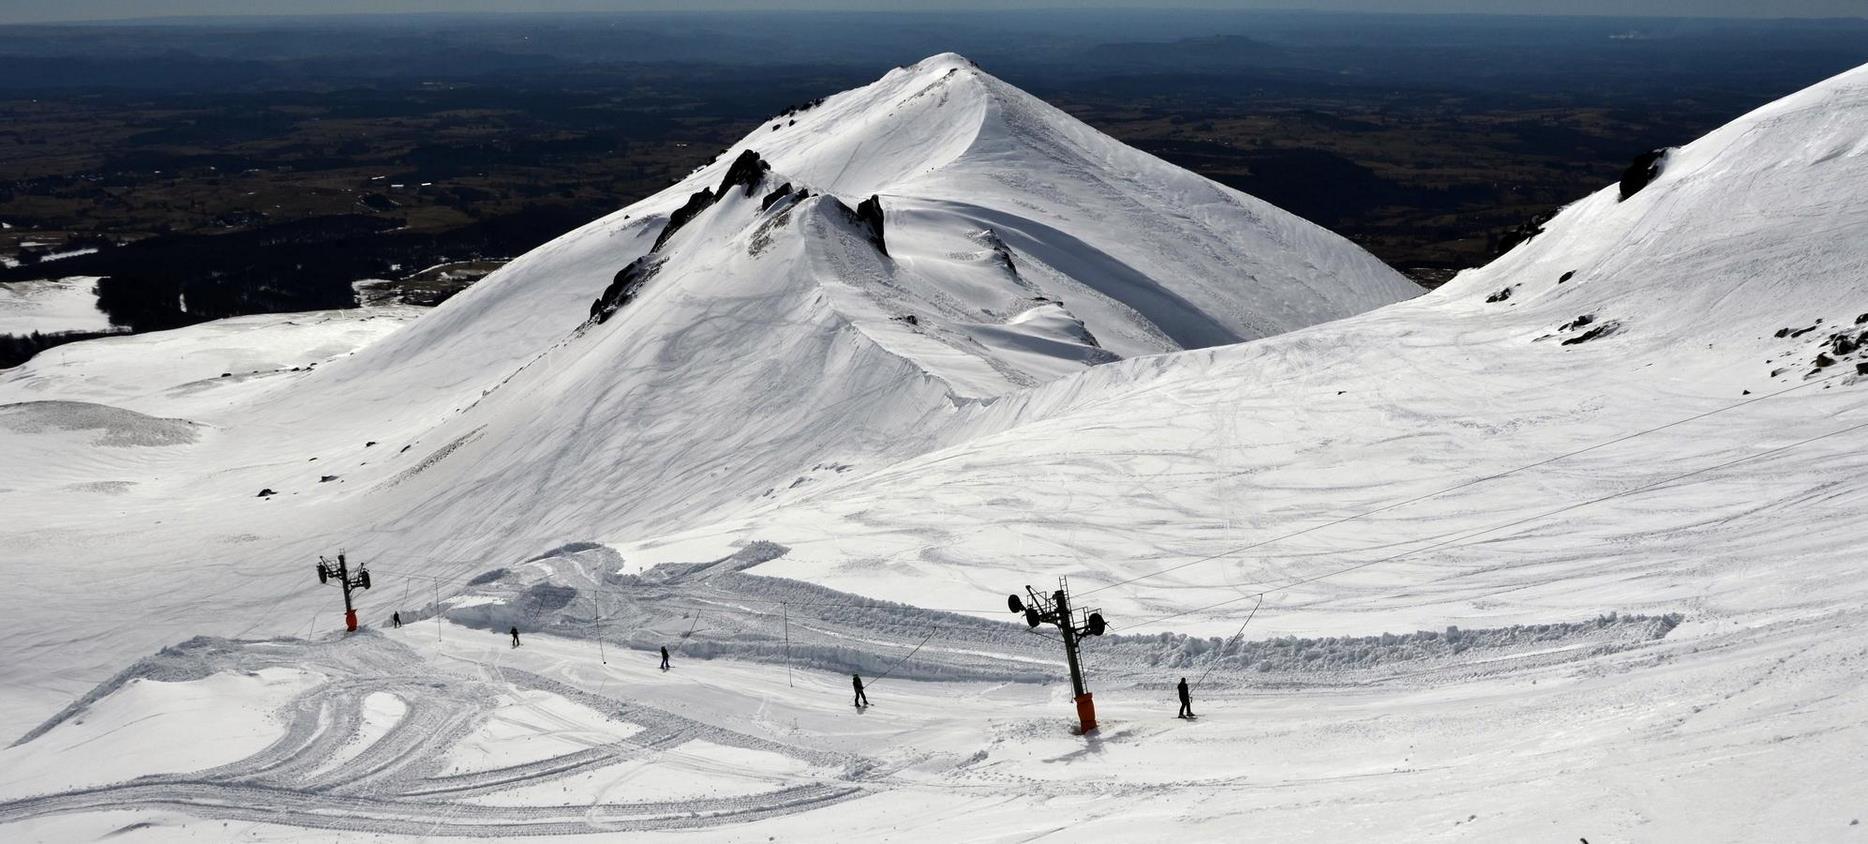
{"x":838,"y":289}
{"x":983,"y":202}
{"x":942,"y":62}
{"x":933,"y":239}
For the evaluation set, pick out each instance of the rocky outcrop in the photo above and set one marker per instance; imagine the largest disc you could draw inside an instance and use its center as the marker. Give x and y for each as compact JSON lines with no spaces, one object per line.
{"x":1509,"y":239}
{"x":772,"y":198}
{"x":623,"y":288}
{"x":869,"y":215}
{"x":746,"y":173}
{"x":697,"y":202}
{"x":1643,"y":170}
{"x":1601,"y":330}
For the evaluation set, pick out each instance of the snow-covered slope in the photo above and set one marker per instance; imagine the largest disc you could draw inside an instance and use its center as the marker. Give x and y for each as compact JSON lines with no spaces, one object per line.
{"x":1654,"y":406}
{"x":51,"y":306}
{"x":823,"y":299}
{"x":1624,"y":460}
{"x":1732,"y":277}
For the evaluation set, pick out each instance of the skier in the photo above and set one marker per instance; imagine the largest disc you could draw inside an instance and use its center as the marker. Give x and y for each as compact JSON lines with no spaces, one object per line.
{"x":1186,"y":700}
{"x":862,"y":700}
{"x":664,"y":657}
{"x":395,"y":619}
{"x":515,"y":636}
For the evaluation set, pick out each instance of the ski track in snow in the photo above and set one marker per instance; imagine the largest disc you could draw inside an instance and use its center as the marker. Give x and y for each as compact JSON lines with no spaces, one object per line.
{"x":314,"y":775}
{"x":393,"y":785}
{"x":329,"y":770}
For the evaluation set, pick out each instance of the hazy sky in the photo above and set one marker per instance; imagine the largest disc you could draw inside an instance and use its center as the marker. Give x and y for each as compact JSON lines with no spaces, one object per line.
{"x":21,"y":11}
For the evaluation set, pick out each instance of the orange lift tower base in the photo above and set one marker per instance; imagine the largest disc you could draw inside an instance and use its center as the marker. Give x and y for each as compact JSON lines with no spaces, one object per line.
{"x":340,"y":571}
{"x":1056,"y":610}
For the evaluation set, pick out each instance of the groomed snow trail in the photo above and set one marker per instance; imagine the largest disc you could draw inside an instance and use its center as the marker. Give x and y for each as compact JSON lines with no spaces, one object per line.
{"x":396,"y":783}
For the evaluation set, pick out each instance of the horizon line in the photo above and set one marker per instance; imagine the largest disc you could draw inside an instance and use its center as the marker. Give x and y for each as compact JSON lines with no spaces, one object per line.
{"x":238,"y":17}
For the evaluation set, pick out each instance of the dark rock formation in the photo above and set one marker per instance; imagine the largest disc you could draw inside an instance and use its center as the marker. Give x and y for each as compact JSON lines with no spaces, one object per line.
{"x":1509,"y":239}
{"x":697,"y":202}
{"x":1566,"y":276}
{"x":623,"y":288}
{"x":1578,"y":322}
{"x":1002,"y":254}
{"x":801,"y":107}
{"x":746,"y":171}
{"x":772,"y":198}
{"x":1600,"y":331}
{"x":869,"y":213}
{"x":1500,"y":296}
{"x":1642,"y":171}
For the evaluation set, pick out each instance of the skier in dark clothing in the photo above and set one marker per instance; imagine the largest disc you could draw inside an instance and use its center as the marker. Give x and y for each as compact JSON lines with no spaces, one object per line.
{"x":395,"y":619}
{"x":515,"y":636}
{"x":1186,"y":700}
{"x":862,"y":700}
{"x":664,"y":657}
